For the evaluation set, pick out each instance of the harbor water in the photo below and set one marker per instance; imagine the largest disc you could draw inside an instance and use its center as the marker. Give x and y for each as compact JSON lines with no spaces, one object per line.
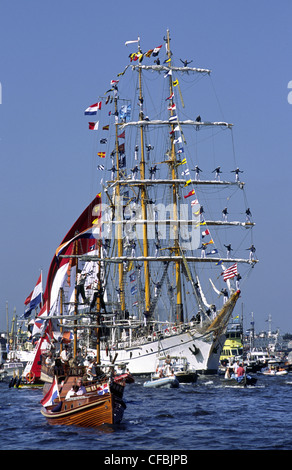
{"x":207,"y":415}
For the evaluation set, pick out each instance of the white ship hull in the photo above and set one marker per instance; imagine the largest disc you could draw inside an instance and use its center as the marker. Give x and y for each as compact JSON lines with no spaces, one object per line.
{"x":202,"y":352}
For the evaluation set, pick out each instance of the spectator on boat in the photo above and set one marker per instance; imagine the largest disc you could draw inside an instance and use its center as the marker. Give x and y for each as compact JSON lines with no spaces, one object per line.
{"x":65,"y":356}
{"x":235,"y":367}
{"x":50,"y":362}
{"x":227,"y":373}
{"x":81,"y":388}
{"x":72,"y":392}
{"x":240,"y":371}
{"x":92,"y":369}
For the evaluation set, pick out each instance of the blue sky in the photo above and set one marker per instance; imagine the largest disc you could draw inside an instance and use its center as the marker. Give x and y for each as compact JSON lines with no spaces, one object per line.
{"x":56,"y":57}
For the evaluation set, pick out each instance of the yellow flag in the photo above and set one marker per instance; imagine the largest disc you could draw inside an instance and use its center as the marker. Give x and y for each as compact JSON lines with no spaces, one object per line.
{"x":175,"y":83}
{"x":184,"y":160}
{"x":187,"y":183}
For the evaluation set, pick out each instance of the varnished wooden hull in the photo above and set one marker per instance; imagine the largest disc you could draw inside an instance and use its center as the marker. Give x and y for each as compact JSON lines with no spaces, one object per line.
{"x":87,"y":412}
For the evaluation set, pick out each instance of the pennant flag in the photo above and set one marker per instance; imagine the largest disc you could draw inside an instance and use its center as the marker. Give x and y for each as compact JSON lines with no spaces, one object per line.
{"x":156,"y":51}
{"x":191,"y":193}
{"x":35,"y":298}
{"x":168,"y":74}
{"x":52,"y":394}
{"x":93,"y":125}
{"x":175,"y":83}
{"x":184,"y":160}
{"x":213,"y":252}
{"x":149,"y":53}
{"x":133,"y":277}
{"x":122,"y":135}
{"x":105,"y":128}
{"x":206,"y":232}
{"x":114,"y":82}
{"x":134,"y":290}
{"x":132,"y":42}
{"x":170,"y":97}
{"x":231,"y":272}
{"x":171,"y":107}
{"x":194,"y":202}
{"x":93,"y":108}
{"x":178,"y":140}
{"x":101,"y":154}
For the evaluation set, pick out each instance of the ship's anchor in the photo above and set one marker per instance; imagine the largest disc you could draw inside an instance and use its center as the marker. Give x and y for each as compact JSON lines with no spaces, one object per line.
{"x":194,"y":351}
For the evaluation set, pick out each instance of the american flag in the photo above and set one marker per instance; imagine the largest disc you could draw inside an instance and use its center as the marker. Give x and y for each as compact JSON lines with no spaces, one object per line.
{"x":230,"y":272}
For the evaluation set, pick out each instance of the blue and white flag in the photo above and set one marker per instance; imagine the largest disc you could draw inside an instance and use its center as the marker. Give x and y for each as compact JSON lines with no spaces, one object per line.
{"x":125,"y":112}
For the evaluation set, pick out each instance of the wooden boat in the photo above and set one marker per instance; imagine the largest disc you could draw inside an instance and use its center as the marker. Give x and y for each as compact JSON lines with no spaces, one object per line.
{"x":101,"y":403}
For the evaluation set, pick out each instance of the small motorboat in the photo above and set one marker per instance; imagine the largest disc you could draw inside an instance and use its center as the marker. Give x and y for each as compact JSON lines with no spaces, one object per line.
{"x":166,"y":382}
{"x":274,"y":372}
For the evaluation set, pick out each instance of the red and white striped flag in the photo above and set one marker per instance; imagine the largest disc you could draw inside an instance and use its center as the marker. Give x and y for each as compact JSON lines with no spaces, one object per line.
{"x":230,"y":272}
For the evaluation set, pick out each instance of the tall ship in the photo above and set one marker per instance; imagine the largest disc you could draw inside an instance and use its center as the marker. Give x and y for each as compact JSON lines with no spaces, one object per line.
{"x":157,"y":261}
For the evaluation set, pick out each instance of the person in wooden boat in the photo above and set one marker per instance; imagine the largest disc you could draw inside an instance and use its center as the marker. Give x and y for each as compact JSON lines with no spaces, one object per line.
{"x":81,"y":389}
{"x":72,"y":392}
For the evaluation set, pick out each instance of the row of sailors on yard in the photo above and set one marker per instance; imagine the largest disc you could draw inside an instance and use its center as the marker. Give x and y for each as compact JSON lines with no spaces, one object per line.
{"x":197,"y":170}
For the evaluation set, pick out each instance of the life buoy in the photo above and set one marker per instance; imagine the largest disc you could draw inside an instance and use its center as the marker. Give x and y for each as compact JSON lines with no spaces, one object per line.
{"x":30,"y":377}
{"x":174,"y":329}
{"x":166,"y":331}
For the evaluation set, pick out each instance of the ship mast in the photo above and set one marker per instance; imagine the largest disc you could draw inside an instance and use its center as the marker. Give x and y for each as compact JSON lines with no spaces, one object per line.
{"x":144,"y":198}
{"x":119,"y":213}
{"x":179,"y":306}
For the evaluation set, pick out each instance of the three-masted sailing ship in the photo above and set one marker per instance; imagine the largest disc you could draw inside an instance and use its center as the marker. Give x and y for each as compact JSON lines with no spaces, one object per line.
{"x":158,"y":270}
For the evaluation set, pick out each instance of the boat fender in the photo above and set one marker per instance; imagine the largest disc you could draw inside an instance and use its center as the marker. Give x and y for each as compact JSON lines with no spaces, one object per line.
{"x":18,"y":382}
{"x":12,"y":382}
